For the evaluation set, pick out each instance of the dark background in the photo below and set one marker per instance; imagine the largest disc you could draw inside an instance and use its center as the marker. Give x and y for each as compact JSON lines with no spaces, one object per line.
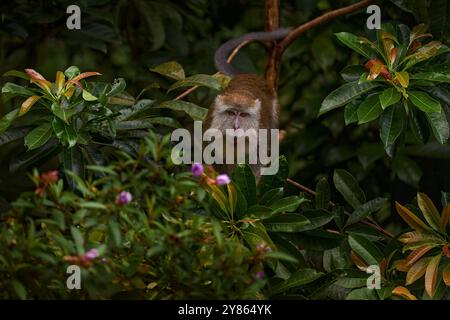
{"x":126,"y":38}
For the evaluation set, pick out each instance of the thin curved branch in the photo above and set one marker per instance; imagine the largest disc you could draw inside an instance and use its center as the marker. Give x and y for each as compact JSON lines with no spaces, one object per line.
{"x":230,"y":58}
{"x":281,"y":46}
{"x":237,"y":49}
{"x":313,"y":193}
{"x":297,"y":32}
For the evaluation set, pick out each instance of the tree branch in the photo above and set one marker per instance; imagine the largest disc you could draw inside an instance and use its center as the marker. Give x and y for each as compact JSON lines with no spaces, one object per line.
{"x":230,"y":58}
{"x":272,"y":23}
{"x":313,"y":193}
{"x":297,"y":32}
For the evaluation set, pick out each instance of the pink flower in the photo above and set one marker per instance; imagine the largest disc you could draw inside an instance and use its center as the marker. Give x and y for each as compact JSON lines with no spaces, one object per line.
{"x":91,"y":254}
{"x":197,"y":169}
{"x":50,"y":177}
{"x":124,"y":198}
{"x":260,"y":275}
{"x":222,"y":179}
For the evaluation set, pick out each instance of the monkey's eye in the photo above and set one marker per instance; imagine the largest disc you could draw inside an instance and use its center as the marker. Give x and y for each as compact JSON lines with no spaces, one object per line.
{"x":243,"y":115}
{"x":230,"y":112}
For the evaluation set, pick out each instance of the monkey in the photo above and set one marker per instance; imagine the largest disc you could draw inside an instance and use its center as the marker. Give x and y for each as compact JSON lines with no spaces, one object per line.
{"x":247,"y":102}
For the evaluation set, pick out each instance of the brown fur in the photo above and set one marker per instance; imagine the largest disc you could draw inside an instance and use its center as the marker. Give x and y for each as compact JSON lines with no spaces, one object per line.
{"x":243,"y":90}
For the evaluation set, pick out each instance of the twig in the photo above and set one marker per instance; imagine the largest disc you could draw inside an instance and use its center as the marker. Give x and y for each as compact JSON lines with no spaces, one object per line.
{"x":236,"y":50}
{"x":294,"y":34}
{"x":187,"y":92}
{"x":297,"y":32}
{"x":230,"y":58}
{"x":313,"y":193}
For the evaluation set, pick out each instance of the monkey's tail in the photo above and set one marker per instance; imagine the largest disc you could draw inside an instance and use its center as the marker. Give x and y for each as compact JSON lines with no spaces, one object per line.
{"x":221,"y":55}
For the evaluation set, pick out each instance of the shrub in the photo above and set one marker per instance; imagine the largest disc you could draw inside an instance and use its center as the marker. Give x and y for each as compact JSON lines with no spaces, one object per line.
{"x":160,"y":244}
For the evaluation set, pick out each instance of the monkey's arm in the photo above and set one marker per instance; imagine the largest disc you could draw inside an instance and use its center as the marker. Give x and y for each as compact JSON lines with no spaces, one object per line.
{"x":221,"y":55}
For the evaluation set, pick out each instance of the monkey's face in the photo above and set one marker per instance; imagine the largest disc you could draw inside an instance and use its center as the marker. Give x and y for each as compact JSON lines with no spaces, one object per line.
{"x":235,"y":113}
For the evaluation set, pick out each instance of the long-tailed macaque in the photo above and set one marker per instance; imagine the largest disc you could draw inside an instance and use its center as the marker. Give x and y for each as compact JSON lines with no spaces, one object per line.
{"x":247,"y":102}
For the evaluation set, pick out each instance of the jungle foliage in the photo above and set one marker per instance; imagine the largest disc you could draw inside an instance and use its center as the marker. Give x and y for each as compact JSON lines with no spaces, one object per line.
{"x":86,"y":175}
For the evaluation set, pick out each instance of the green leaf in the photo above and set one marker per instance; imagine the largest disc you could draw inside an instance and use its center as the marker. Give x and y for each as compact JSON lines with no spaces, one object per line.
{"x":297,"y":279}
{"x":432,"y":76}
{"x":366,"y":209}
{"x":439,"y":125}
{"x":289,"y":222}
{"x":194,"y":111}
{"x":287,"y":204}
{"x":271,"y":196}
{"x":62,"y":113}
{"x":351,"y":112}
{"x":355,"y":43}
{"x":15,"y":90}
{"x":13,"y":135}
{"x":365,"y":249}
{"x":369,"y":109}
{"x":134,"y":124}
{"x":259,"y":211}
{"x":92,"y":205}
{"x":16,"y":73}
{"x":138,"y":108}
{"x":65,"y":132}
{"x":78,"y":239}
{"x":20,"y":290}
{"x":165,"y":121}
{"x":122,"y":99}
{"x":362,"y":294}
{"x":197,"y":80}
{"x":279,"y":255}
{"x":241,"y":203}
{"x":322,"y":198}
{"x":418,"y":125}
{"x":317,"y":218}
{"x":425,"y":52}
{"x":389,"y":97}
{"x":344,"y":94}
{"x":317,"y":240}
{"x":72,"y":72}
{"x":118,"y":86}
{"x":402,"y":78}
{"x":256,"y":234}
{"x":348,"y":187}
{"x":352,"y":279}
{"x":424,"y":102}
{"x":171,"y":69}
{"x":391,"y":124}
{"x":269,"y":182}
{"x":244,"y":179}
{"x":38,"y":136}
{"x":88,"y":96}
{"x":7,"y":119}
